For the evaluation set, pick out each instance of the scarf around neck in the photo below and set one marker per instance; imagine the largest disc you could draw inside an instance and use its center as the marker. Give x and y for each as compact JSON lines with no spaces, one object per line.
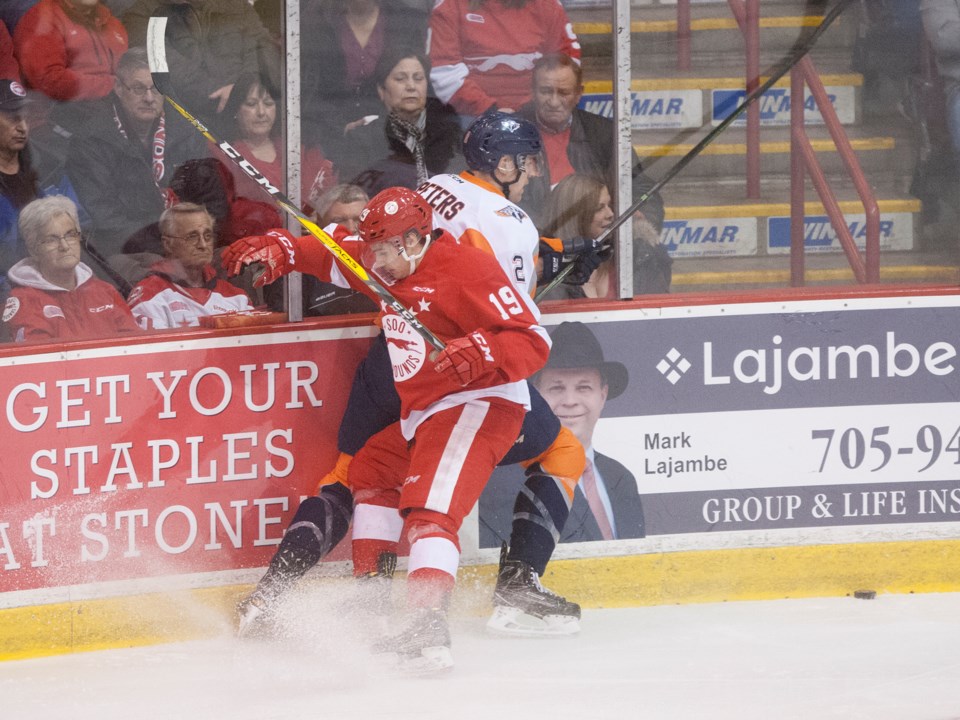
{"x":413,"y":136}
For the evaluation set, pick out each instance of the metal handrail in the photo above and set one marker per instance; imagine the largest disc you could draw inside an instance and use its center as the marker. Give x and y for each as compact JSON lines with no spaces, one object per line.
{"x":802,"y":157}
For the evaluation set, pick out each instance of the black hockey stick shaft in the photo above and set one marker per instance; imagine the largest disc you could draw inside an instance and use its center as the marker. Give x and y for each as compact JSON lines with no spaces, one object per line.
{"x":156,"y":52}
{"x":777,"y":72}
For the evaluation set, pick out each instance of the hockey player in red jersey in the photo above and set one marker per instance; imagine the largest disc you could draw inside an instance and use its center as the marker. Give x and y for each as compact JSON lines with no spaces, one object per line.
{"x":475,"y":208}
{"x":461,"y":408}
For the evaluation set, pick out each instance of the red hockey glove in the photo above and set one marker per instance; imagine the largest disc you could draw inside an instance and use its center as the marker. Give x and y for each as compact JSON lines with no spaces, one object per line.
{"x":275,"y":251}
{"x":466,"y":358}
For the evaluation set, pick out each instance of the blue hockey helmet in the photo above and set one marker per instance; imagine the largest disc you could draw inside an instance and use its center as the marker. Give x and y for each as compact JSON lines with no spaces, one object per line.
{"x":496,"y":134}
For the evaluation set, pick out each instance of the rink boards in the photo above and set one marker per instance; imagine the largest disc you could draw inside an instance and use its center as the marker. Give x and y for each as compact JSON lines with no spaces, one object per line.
{"x":798,"y":445}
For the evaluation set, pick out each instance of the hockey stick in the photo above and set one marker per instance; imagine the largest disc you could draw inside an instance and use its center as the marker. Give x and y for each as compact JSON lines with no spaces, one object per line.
{"x":777,"y":72}
{"x":157,"y":58}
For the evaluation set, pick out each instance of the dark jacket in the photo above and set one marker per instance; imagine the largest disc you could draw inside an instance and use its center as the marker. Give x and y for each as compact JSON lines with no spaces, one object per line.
{"x":591,"y":153}
{"x":624,"y":499}
{"x":497,"y":501}
{"x":327,"y":101}
{"x":209,"y":45}
{"x":113,"y":174}
{"x":375,"y":161}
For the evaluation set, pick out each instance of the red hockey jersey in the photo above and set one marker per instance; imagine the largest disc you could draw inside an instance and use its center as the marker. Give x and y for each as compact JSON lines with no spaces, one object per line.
{"x":40,"y":310}
{"x":484,"y":55}
{"x":455,"y":290}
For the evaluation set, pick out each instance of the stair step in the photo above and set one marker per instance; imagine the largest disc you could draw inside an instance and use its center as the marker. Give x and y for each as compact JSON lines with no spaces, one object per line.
{"x":702,"y":281}
{"x":689,"y":101}
{"x":605,"y":29}
{"x":767,"y":147}
{"x":757,"y":229}
{"x":880,"y":156}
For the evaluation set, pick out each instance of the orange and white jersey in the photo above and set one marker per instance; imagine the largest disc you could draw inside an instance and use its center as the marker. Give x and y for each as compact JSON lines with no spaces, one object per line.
{"x":476,"y":213}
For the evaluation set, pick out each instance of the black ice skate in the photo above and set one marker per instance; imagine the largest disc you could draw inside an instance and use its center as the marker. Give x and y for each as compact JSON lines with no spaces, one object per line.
{"x":522,"y":606}
{"x":256,"y":613}
{"x":372,"y":602}
{"x":423,"y":646}
{"x":253,"y":616}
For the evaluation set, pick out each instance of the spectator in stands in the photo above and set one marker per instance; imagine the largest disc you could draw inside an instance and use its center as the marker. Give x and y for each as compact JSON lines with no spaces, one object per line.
{"x":26,"y":173}
{"x":576,"y":382}
{"x":9,"y":67}
{"x":483,"y":51}
{"x":207,"y":182}
{"x":575,"y":140}
{"x":580,"y":207}
{"x":68,"y":50}
{"x":413,"y":137}
{"x":54,"y":295}
{"x":18,"y":179}
{"x":184,"y":285}
{"x":12,"y":10}
{"x":340,"y":205}
{"x":209,"y":45}
{"x":123,"y":160}
{"x":941,"y":22}
{"x":253,"y":110}
{"x":337,"y":75}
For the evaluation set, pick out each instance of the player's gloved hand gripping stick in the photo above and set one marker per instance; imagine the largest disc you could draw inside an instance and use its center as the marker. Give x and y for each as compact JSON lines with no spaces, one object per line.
{"x":157,"y":58}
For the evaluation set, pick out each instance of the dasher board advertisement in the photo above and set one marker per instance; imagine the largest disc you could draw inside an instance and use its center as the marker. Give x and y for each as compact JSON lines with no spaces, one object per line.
{"x":766,"y":416}
{"x":151,"y":458}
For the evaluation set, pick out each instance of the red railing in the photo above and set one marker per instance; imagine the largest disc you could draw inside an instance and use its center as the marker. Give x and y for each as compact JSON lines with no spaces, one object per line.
{"x":803,"y":159}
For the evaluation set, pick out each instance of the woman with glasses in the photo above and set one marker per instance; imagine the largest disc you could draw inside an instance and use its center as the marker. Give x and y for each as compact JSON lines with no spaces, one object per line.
{"x":55,"y":296}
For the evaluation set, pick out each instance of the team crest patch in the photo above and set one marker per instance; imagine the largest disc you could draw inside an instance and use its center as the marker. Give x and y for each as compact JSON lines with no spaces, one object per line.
{"x":406,"y":347}
{"x":17,"y":89}
{"x":512,"y":211}
{"x":53,"y":311}
{"x":135,"y":295}
{"x":474,"y":18}
{"x":10,"y":308}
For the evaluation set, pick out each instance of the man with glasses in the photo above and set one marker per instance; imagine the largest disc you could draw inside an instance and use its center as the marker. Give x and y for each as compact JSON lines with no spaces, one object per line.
{"x":184,"y":286}
{"x":122,"y":163}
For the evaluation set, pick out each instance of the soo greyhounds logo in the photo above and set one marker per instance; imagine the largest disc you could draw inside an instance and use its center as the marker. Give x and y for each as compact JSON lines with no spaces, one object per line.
{"x":406,"y":347}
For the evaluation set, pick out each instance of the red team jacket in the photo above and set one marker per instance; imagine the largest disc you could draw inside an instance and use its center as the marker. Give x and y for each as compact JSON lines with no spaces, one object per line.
{"x":65,"y":58}
{"x":39,"y":310}
{"x":455,"y":290}
{"x":159,"y":302}
{"x":483,"y":56}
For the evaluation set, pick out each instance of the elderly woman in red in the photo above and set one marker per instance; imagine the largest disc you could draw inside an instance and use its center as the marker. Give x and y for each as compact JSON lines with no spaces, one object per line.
{"x":55,"y":296}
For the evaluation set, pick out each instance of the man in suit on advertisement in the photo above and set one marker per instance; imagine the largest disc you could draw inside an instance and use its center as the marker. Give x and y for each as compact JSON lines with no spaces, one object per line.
{"x":576,"y":382}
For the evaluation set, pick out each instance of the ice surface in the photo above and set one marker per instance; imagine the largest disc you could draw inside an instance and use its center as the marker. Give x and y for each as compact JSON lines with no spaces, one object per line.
{"x":893,"y":657}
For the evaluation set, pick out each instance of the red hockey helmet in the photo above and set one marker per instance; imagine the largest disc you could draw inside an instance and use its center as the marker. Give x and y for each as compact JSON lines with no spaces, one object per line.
{"x":394,"y":212}
{"x":396,"y":226}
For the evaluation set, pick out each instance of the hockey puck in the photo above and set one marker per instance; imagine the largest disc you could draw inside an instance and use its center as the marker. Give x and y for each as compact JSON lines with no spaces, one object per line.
{"x":864,"y":594}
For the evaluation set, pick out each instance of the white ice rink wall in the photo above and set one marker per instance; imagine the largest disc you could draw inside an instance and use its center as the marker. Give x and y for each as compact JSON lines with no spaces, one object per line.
{"x":797,"y":445}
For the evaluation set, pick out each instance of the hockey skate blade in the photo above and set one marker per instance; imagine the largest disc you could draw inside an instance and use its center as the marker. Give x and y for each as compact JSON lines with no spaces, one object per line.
{"x":430,"y":661}
{"x":251,"y":623}
{"x":513,"y":622}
